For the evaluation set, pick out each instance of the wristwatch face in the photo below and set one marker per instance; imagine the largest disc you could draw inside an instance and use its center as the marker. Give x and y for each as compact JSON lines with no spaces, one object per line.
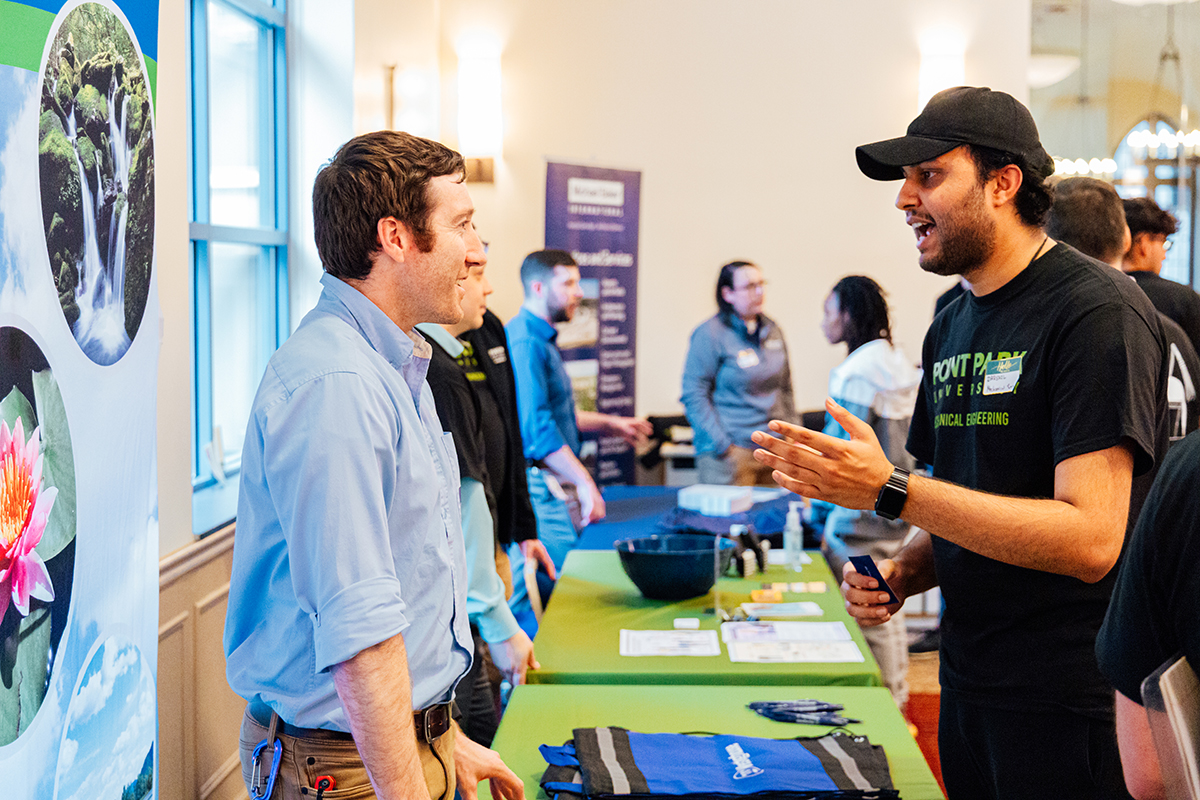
{"x":893,"y":495}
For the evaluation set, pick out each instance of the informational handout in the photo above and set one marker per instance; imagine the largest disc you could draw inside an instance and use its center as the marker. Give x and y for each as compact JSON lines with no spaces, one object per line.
{"x":795,"y":652}
{"x":790,"y":642}
{"x":780,"y":556}
{"x":669,"y":643}
{"x":805,"y":608}
{"x":785,"y":632}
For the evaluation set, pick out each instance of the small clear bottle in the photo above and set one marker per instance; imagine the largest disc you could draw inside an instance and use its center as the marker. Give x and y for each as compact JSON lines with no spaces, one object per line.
{"x":793,"y":536}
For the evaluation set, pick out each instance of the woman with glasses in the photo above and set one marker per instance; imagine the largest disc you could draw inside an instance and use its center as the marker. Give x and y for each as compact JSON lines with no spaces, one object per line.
{"x":735,"y":380}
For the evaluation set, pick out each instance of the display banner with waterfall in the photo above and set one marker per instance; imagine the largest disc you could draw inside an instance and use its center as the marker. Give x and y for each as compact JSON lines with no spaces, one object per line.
{"x":79,"y":339}
{"x":593,"y":213}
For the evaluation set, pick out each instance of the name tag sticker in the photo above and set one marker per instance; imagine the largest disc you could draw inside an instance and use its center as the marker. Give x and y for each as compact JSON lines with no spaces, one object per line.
{"x":773,"y":344}
{"x":747,"y":358}
{"x":498,"y":355}
{"x":1001,"y":375}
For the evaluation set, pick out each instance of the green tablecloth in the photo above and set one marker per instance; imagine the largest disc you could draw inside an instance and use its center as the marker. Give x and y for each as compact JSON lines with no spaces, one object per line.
{"x":547,"y":714}
{"x":578,"y":640}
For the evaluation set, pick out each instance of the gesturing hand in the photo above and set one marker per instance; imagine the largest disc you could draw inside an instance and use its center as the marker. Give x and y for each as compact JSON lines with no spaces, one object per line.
{"x":812,"y":464}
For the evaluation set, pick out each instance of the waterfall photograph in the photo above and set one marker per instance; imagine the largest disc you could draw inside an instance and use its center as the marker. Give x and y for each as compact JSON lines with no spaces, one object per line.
{"x":96,"y":163}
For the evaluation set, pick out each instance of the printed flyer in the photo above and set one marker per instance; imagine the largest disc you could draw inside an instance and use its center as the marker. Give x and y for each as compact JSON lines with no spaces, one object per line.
{"x":79,"y":339}
{"x":593,"y":213}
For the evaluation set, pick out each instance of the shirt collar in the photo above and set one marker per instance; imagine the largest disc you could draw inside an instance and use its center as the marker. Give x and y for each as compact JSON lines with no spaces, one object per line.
{"x":431,"y":330}
{"x":538,"y":326}
{"x":408,"y":353}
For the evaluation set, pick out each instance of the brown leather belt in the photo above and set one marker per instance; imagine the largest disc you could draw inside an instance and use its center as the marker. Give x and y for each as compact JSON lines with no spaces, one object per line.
{"x":433,"y":721}
{"x":430,"y":722}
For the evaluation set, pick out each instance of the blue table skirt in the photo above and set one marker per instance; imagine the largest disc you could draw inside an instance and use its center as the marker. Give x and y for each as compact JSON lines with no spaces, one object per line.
{"x":632,"y":511}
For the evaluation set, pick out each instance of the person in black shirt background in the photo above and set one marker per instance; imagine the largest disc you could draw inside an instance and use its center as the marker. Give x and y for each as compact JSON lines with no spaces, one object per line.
{"x":1150,"y":229}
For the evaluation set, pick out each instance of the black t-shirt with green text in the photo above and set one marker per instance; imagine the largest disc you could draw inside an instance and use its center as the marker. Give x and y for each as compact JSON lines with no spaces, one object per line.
{"x":1067,"y":358}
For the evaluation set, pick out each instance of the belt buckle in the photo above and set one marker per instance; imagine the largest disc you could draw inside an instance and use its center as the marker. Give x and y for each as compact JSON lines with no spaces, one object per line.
{"x":435,"y":725}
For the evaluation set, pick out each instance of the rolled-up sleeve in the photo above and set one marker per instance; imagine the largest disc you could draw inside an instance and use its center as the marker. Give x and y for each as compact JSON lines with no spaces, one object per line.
{"x":539,"y":433}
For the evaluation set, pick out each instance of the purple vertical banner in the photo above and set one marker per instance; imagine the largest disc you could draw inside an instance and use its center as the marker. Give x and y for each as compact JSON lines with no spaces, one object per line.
{"x":593,"y":213}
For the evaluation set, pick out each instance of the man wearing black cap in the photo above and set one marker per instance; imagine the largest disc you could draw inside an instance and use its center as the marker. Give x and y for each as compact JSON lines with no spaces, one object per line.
{"x":1034,"y":415}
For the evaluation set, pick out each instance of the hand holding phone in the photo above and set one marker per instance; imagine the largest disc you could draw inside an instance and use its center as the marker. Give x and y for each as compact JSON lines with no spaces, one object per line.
{"x":865,"y":565}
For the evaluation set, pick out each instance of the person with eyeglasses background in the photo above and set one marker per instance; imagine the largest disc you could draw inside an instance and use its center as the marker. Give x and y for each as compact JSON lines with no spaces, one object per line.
{"x":1150,"y":230}
{"x":736,"y":379}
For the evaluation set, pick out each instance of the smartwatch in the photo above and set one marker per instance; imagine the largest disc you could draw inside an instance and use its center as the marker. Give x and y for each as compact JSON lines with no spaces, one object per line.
{"x":893,"y":495}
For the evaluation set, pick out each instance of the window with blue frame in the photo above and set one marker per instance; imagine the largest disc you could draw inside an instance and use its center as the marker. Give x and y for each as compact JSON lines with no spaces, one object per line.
{"x":238,"y":231}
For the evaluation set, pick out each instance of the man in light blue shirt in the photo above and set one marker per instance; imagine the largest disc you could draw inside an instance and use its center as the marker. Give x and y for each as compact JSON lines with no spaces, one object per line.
{"x":347,"y":606}
{"x":550,"y":423}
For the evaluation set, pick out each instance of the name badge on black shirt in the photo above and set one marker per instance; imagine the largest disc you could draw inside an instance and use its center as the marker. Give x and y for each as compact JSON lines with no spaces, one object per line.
{"x":1001,"y":375}
{"x":497,"y":354}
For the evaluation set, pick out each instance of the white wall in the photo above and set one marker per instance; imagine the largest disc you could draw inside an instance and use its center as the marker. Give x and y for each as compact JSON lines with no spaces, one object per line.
{"x":743,"y":119}
{"x":174,"y":281}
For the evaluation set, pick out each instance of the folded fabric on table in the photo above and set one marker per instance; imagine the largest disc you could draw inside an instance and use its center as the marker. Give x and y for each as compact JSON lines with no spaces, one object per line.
{"x":766,"y":518}
{"x":616,"y":763}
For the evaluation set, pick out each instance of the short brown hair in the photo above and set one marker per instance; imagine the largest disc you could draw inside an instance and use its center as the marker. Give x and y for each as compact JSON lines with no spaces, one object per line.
{"x":373,"y":176}
{"x":1087,"y":214}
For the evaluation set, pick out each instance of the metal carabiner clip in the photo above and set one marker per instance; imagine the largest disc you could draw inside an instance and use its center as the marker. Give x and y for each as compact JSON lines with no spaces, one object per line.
{"x":254,"y":777}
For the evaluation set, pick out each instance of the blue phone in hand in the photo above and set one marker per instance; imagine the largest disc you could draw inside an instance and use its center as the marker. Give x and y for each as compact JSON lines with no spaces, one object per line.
{"x":865,"y":565}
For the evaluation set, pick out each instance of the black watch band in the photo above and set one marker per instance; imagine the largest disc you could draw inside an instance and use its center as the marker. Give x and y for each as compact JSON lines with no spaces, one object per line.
{"x":893,"y":495}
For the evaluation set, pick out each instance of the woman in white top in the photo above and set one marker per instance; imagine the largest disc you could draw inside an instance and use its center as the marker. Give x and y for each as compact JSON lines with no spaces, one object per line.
{"x":877,"y":383}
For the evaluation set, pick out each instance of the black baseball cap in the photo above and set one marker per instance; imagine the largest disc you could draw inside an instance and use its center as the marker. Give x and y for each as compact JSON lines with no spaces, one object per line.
{"x":954,"y":117}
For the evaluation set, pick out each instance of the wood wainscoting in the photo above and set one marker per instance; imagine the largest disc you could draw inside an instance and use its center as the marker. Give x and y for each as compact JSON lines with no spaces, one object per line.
{"x":198,"y":714}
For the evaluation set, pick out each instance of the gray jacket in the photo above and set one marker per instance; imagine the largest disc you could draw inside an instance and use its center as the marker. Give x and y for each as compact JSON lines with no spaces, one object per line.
{"x":734,"y":383}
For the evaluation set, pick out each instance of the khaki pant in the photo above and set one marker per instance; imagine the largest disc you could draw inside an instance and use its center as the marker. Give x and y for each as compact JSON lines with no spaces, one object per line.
{"x":304,"y":760}
{"x":737,"y":467}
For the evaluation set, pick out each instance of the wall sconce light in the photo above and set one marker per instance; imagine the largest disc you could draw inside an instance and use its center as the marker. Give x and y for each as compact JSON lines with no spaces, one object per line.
{"x":943,"y":65}
{"x":480,"y":121}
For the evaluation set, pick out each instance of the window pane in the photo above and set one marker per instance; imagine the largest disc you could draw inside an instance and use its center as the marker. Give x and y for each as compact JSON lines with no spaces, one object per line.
{"x":236,"y":54}
{"x":240,"y":328}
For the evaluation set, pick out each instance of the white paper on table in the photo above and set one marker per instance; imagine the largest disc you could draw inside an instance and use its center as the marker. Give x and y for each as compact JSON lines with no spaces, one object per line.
{"x":805,"y":608}
{"x":669,"y":643}
{"x":795,"y":652}
{"x":780,"y":557}
{"x":785,"y":632}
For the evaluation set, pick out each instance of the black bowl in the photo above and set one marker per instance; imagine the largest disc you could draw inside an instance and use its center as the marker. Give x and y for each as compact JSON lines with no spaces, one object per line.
{"x":672,"y":566}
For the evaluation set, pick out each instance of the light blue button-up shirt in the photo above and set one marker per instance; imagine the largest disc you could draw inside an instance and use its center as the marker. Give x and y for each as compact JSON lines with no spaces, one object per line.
{"x":348,"y":528}
{"x":545,"y":400}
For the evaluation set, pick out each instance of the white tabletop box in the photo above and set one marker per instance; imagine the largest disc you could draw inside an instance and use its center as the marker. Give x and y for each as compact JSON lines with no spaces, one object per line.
{"x":716,"y":500}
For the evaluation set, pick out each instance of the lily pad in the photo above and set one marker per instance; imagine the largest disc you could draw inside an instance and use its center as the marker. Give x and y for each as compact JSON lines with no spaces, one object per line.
{"x":58,"y":464}
{"x":16,"y":405}
{"x":24,"y":666}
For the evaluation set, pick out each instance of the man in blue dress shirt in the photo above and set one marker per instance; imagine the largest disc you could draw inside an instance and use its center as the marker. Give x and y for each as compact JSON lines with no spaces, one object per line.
{"x":347,"y":625}
{"x":550,"y":423}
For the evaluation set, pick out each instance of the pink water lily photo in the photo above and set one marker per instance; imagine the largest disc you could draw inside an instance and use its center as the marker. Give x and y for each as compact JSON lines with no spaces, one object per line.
{"x":24,"y":508}
{"x":37,"y":529}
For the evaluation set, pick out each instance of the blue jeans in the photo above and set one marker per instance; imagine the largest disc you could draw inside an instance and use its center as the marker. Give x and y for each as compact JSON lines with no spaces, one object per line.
{"x":556,"y":532}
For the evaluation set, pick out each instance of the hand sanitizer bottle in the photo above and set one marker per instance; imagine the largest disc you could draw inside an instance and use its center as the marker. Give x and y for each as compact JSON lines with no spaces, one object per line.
{"x":793,"y":536}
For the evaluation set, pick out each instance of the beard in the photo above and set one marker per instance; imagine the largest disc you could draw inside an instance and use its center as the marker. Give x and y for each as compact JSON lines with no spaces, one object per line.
{"x":966,"y":238}
{"x":560,"y":313}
